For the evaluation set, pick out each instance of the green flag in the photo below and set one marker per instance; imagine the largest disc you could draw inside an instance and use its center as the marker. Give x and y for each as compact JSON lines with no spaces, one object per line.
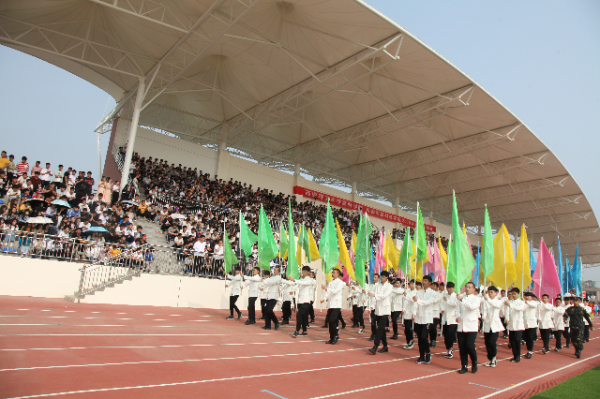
{"x":283,"y":241}
{"x":228,"y":254}
{"x":267,"y":246}
{"x":292,"y":265}
{"x":305,"y":244}
{"x":421,"y":238}
{"x":487,"y":251}
{"x":247,"y":237}
{"x":328,"y":247}
{"x":405,"y":254}
{"x":363,"y":249}
{"x":461,"y":267}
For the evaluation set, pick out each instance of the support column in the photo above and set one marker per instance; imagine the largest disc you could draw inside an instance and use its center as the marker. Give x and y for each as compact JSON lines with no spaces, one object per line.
{"x":139,"y":98}
{"x":296,"y":174}
{"x":397,"y":206}
{"x":355,"y":197}
{"x":223,"y":157}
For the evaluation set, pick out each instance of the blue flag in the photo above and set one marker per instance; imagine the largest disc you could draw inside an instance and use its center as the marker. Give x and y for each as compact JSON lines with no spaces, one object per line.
{"x":567,"y":276}
{"x":477,"y":268}
{"x":560,"y":267}
{"x":532,"y":262}
{"x":576,"y":274}
{"x":371,"y":265}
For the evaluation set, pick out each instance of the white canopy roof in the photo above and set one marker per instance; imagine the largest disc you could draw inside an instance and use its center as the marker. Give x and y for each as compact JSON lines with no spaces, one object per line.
{"x":331,"y":85}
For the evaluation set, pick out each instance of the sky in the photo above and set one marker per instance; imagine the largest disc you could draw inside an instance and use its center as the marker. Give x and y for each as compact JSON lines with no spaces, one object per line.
{"x":541,"y":59}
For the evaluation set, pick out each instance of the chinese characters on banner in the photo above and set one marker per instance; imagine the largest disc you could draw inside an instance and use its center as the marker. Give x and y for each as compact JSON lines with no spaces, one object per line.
{"x":342,"y":203}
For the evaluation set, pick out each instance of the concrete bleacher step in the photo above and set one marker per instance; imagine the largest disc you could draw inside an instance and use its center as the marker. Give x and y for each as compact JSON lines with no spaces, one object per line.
{"x":75,"y":297}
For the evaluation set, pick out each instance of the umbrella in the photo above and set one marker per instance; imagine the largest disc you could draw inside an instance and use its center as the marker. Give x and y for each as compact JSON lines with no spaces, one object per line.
{"x":130,"y":202}
{"x":178,"y":216}
{"x":34,"y":199}
{"x":59,"y":202}
{"x":39,"y":220}
{"x":96,"y":229}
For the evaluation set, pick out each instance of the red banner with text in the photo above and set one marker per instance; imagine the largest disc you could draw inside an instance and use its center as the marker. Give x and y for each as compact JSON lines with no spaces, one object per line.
{"x":342,"y":203}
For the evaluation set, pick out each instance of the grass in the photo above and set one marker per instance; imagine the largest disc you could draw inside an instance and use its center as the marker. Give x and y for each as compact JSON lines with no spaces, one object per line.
{"x":583,"y":386}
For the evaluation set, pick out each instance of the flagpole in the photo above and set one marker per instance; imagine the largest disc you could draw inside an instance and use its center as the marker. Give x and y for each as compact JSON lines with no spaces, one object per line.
{"x":523,"y":263}
{"x":541,"y":273}
{"x":448,"y":259}
{"x":504,"y":260}
{"x":417,"y":244}
{"x":224,"y":258}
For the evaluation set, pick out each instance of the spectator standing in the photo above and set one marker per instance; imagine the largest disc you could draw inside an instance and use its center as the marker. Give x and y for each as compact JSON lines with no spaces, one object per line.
{"x":36,"y":168}
{"x":46,"y":175}
{"x":22,"y":167}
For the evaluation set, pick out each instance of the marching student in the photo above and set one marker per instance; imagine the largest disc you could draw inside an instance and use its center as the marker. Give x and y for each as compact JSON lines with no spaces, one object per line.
{"x":311,"y":311}
{"x":588,"y":309}
{"x":516,"y":324}
{"x":449,"y":323}
{"x":253,"y":288}
{"x":305,"y":289}
{"x":558,"y":321}
{"x":423,"y":318}
{"x":272,"y":286}
{"x":397,"y":299}
{"x":382,"y":312}
{"x":468,"y":324}
{"x":236,"y":291}
{"x":288,"y":288}
{"x":530,"y":318}
{"x":504,"y":312}
{"x":546,"y":312}
{"x":491,"y":323}
{"x":410,"y":307}
{"x":566,"y":334}
{"x":435,"y":309}
{"x":372,"y":288}
{"x":333,"y":295}
{"x":360,"y":307}
{"x":353,"y":302}
{"x":263,"y":294}
{"x":577,"y":315}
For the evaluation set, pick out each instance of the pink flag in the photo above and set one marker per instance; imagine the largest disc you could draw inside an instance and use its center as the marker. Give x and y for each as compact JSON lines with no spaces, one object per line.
{"x":437,"y":264}
{"x":428,"y":266}
{"x":379,"y":258}
{"x":346,"y":278}
{"x":545,"y":278}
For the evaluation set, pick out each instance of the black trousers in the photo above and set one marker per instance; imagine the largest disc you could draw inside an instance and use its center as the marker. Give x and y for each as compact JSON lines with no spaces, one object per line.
{"x":263,"y":307}
{"x":360,"y":320}
{"x":373,"y":323}
{"x":449,"y":335}
{"x":466,"y":346}
{"x":286,"y":309}
{"x":232,"y":306}
{"x":252,"y":308}
{"x":558,"y":335}
{"x":408,"y":330}
{"x":269,"y":313}
{"x":433,"y":329}
{"x":354,"y":315}
{"x":514,"y":337}
{"x":334,"y":315}
{"x":198,"y":263}
{"x":490,"y":344}
{"x":395,"y":317}
{"x":586,"y":333}
{"x":545,"y":333}
{"x":422,"y":332}
{"x":503,"y":320}
{"x":311,"y":311}
{"x":567,"y":336}
{"x":302,"y":317}
{"x":530,"y":335}
{"x":380,"y":335}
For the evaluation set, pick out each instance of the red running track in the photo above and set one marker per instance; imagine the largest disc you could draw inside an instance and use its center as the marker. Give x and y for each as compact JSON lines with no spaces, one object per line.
{"x":50,"y":347}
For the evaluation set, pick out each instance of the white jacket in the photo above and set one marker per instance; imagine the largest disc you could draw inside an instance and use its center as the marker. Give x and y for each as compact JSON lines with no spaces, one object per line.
{"x":425,"y":299}
{"x":530,"y":316}
{"x":587,"y":309}
{"x":263,"y":290}
{"x":253,"y":285}
{"x":306,"y":287}
{"x":491,"y":315}
{"x":374,"y":288}
{"x":469,"y":314}
{"x":397,"y":299}
{"x":410,"y":306}
{"x":546,"y":311}
{"x":451,"y":311}
{"x":288,"y":287}
{"x":361,"y":298}
{"x":515,"y":316}
{"x":504,"y":311}
{"x":435,"y":306}
{"x":383,"y":301}
{"x":557,"y":318}
{"x":272,"y":285}
{"x":567,"y":322}
{"x":235,"y":284}
{"x":334,"y":294}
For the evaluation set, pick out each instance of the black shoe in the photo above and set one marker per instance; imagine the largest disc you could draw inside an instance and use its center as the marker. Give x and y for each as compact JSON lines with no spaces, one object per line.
{"x":383,"y":350}
{"x":229,"y":318}
{"x":325,"y":326}
{"x":248,"y":322}
{"x":568,"y":346}
{"x":303,"y":334}
{"x":329,"y":342}
{"x":427,"y":359}
{"x":240,"y":315}
{"x":463,"y":371}
{"x":312,"y":322}
{"x":410,"y":345}
{"x":578,"y":354}
{"x":354,"y":325}
{"x":449,"y":355}
{"x":505,"y":337}
{"x":266,"y":328}
{"x":371,"y":339}
{"x":474,"y":369}
{"x":387,"y":329}
{"x":343,"y":326}
{"x":335,"y":340}
{"x":394,"y":336}
{"x":433,"y":344}
{"x":373,"y":350}
{"x":509,"y":346}
{"x":528,"y":355}
{"x":420,"y":360}
{"x":276,"y":326}
{"x":515,"y":360}
{"x":295,"y":334}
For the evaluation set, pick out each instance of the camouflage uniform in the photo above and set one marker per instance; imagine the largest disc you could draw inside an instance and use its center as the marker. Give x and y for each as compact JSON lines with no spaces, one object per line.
{"x":576,"y":315}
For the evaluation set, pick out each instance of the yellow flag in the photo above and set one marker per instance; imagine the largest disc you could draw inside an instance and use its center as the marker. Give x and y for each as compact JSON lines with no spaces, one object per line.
{"x":299,"y":257}
{"x":443,"y":255}
{"x":353,"y":242}
{"x":523,"y":267}
{"x":504,"y":274}
{"x":414,"y":272}
{"x":312,"y":246}
{"x":344,"y":255}
{"x":391,"y":253}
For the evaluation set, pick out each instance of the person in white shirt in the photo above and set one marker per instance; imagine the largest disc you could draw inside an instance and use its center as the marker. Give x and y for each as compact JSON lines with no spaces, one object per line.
{"x":272,"y":286}
{"x":353,"y":302}
{"x":372,"y":288}
{"x":449,"y":323}
{"x":397,"y":302}
{"x":305,"y":289}
{"x":546,"y":311}
{"x":492,"y":325}
{"x":410,"y":308}
{"x":423,"y":318}
{"x":383,"y":309}
{"x":288,"y":288}
{"x":468,"y":324}
{"x":199,"y":254}
{"x":516,"y":325}
{"x":333,"y":295}
{"x":435,"y":309}
{"x":253,"y":288}
{"x":566,"y":334}
{"x":588,"y":309}
{"x":530,"y":317}
{"x":58,"y":177}
{"x":311,"y":311}
{"x":46,"y":176}
{"x":558,"y":312}
{"x":504,"y":312}
{"x":236,"y":290}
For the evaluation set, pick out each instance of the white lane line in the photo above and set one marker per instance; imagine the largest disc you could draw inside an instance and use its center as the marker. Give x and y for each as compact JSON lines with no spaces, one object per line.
{"x":70,"y":311}
{"x":23,"y":309}
{"x":46,"y":310}
{"x":125,"y":335}
{"x":539,"y":376}
{"x":178,"y":361}
{"x":14,"y":324}
{"x":95,"y":312}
